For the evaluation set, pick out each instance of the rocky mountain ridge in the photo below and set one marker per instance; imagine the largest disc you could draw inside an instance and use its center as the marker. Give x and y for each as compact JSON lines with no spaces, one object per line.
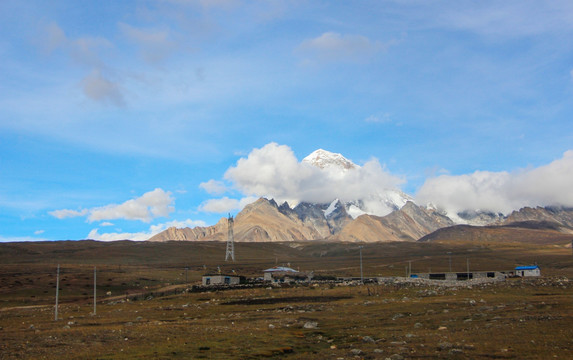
{"x":264,"y":220}
{"x":352,"y":220}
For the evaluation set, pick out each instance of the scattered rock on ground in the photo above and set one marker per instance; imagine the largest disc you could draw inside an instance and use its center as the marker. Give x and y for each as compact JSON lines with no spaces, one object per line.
{"x":368,"y":339}
{"x":310,"y":325}
{"x":445,"y":345}
{"x":356,"y":352}
{"x":395,"y":357}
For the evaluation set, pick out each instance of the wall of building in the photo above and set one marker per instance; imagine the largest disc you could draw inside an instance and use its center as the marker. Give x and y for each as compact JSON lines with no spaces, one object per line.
{"x":460,"y":275}
{"x":220,"y":280}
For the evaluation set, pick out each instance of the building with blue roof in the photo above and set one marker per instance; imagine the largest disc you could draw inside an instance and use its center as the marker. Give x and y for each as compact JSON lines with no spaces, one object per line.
{"x":528,"y":270}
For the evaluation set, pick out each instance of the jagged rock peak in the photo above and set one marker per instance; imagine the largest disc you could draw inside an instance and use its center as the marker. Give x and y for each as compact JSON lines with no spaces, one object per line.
{"x":261,"y":205}
{"x":326,"y":159}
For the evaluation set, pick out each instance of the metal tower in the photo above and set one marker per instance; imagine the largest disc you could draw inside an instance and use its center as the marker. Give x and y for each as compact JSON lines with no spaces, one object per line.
{"x":230,"y":240}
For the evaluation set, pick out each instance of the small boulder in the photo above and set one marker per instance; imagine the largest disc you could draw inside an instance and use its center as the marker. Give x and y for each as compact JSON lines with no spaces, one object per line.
{"x":368,"y":339}
{"x":356,"y":352}
{"x":310,"y":325}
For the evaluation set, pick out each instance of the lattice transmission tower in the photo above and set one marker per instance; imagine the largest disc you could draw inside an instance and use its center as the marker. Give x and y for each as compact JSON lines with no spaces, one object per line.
{"x":230,"y":254}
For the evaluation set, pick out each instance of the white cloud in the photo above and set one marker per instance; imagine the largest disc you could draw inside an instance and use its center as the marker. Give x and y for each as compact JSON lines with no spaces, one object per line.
{"x":86,"y":52}
{"x":378,"y":118}
{"x":144,"y":235}
{"x":208,"y":4}
{"x":331,"y":46}
{"x":176,"y":223}
{"x":66,"y":213}
{"x":274,"y":171}
{"x":39,"y":232}
{"x":54,"y":38}
{"x":226,"y":204}
{"x":4,"y":239}
{"x":508,"y":18}
{"x":152,"y":204}
{"x":214,"y":187}
{"x":95,"y":235}
{"x":96,"y":87}
{"x":502,"y":191}
{"x":156,"y":203}
{"x":106,"y":223}
{"x":155,"y":44}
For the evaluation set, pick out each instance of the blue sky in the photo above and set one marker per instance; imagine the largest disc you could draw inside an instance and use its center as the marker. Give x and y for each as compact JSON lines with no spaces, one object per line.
{"x":114,"y":113}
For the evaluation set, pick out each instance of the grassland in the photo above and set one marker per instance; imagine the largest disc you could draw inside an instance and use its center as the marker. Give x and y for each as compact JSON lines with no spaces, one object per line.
{"x":149,"y":313}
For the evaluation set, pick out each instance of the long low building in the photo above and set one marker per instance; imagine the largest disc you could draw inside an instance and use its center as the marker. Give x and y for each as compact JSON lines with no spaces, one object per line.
{"x":522,"y":271}
{"x":221,"y":279}
{"x":460,"y":275}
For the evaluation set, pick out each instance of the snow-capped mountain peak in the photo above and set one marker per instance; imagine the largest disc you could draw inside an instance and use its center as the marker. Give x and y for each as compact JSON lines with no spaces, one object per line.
{"x":326,"y":159}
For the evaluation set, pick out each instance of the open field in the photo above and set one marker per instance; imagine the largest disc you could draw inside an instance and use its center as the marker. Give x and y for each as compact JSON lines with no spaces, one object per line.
{"x":150,"y":315}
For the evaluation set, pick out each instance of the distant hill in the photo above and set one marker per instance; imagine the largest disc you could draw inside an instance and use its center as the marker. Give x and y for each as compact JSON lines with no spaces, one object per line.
{"x":525,"y":232}
{"x":557,"y":215}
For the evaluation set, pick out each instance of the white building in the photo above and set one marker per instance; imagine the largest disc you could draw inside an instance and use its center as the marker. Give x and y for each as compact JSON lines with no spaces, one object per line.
{"x":221,"y":279}
{"x":524,"y":271}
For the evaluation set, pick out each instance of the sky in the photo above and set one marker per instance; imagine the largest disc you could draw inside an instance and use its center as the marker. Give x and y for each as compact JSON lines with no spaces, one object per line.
{"x":119,"y":119}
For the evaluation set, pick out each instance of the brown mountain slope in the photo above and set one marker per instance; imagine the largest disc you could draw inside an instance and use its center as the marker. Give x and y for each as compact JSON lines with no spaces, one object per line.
{"x":262,"y":221}
{"x":368,"y":228}
{"x":196,"y":233}
{"x":499,"y":234}
{"x":265,"y":221}
{"x":407,"y":224}
{"x":259,"y":221}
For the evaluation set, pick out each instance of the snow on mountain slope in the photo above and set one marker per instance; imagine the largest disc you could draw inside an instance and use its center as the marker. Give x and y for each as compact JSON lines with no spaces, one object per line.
{"x":325,"y":159}
{"x":379,"y":202}
{"x":333,"y":205}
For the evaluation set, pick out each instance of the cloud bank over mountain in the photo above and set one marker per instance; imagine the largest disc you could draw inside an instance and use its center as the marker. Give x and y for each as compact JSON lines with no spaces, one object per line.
{"x":502,"y":192}
{"x":274,"y":171}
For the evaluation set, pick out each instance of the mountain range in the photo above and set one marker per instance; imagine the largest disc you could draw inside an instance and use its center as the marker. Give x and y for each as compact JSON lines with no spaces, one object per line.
{"x":265,"y":220}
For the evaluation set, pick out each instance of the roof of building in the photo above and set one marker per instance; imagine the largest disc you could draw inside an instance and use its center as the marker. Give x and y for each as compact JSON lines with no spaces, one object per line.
{"x":528,"y":267}
{"x":229,"y":275}
{"x":280,"y":269}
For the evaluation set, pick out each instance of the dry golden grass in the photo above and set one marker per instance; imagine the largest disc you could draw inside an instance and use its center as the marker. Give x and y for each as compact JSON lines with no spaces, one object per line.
{"x":514,"y":320}
{"x":517,"y":319}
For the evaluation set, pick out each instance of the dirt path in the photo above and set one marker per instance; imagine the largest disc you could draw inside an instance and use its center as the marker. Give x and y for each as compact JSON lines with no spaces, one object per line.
{"x":164,"y":289}
{"x":24,"y":307}
{"x":144,"y":293}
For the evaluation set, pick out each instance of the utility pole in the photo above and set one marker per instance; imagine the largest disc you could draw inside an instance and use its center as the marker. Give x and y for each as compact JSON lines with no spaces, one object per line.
{"x":95,"y":287}
{"x":361,"y":273}
{"x":57,"y":293}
